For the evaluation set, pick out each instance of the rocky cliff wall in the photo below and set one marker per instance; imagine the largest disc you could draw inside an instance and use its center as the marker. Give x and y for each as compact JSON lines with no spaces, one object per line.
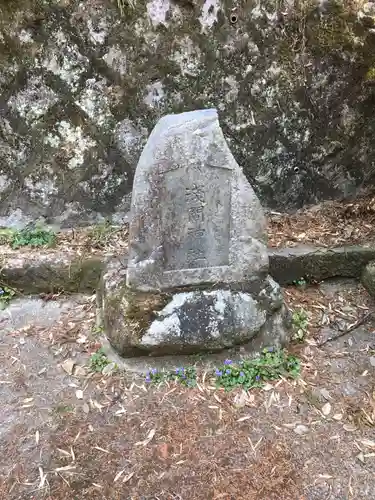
{"x":83,"y":83}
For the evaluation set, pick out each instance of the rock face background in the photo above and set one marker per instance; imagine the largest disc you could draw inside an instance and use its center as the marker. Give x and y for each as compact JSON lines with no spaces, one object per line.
{"x":82,"y":86}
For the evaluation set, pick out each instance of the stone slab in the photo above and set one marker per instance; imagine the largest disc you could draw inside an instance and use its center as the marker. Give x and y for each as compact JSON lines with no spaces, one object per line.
{"x":47,"y":272}
{"x":195,"y":219}
{"x":313,"y":263}
{"x":44,"y":272}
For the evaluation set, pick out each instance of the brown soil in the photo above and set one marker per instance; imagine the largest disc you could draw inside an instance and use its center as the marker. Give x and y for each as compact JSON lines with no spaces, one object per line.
{"x":329,"y":224}
{"x":309,"y":439}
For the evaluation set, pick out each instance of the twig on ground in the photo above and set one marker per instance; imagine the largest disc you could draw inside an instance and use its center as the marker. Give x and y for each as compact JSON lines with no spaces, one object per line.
{"x":358,"y":323}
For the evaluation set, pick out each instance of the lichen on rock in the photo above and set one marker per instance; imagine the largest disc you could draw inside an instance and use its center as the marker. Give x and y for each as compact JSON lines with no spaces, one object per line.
{"x":293,"y":83}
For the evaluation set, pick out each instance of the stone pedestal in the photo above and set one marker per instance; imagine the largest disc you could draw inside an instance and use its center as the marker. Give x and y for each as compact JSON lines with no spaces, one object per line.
{"x":196,"y":278}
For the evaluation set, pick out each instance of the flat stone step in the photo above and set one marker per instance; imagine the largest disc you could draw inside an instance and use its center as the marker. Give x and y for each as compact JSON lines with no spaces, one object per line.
{"x":46,"y":272}
{"x":316,"y":263}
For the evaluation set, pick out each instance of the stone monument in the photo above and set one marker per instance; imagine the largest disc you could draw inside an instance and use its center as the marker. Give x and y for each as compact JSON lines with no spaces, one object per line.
{"x":196,"y":276}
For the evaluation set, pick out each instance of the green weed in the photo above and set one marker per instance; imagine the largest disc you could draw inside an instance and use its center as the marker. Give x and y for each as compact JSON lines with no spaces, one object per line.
{"x":36,"y":237}
{"x":186,"y":376}
{"x":97,"y":330}
{"x":301,"y":282}
{"x":300,"y":323}
{"x":98,"y":360}
{"x":6,"y":295}
{"x":271,"y":364}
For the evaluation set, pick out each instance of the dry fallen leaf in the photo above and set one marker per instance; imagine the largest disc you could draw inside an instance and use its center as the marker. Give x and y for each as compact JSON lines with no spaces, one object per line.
{"x":101,"y":449}
{"x":217,"y":398}
{"x":326,"y":409}
{"x":163,"y":450}
{"x":109,"y":369}
{"x":368,"y":443}
{"x":149,"y":437}
{"x":118,"y":475}
{"x":128,"y":477}
{"x":242,"y":419}
{"x":349,"y":427}
{"x":240,"y":399}
{"x":301,"y":429}
{"x":68,"y":366}
{"x":267,"y":387}
{"x":337,"y":416}
{"x":325,"y":394}
{"x":79,"y":371}
{"x":361,"y":457}
{"x":79,"y":394}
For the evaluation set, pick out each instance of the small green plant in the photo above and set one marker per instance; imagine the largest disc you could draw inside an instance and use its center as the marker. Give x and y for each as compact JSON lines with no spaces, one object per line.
{"x":301,"y":282}
{"x":33,"y":237}
{"x":185,"y":376}
{"x":97,"y":330}
{"x":6,"y":295}
{"x":270,"y":365}
{"x":300,"y":322}
{"x":99,"y":360}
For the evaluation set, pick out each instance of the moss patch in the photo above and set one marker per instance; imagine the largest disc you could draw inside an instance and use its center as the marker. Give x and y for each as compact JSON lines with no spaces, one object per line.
{"x":141,"y":308}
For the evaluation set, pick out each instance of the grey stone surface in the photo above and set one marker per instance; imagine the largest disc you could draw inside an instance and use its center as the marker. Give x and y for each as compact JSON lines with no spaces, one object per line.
{"x":195,"y":219}
{"x":140,"y":323}
{"x":82,"y":87}
{"x":32,"y":272}
{"x":368,"y":278}
{"x":317,"y":263}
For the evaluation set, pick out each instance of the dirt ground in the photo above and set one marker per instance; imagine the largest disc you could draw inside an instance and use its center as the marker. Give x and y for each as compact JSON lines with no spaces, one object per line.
{"x":68,"y":433}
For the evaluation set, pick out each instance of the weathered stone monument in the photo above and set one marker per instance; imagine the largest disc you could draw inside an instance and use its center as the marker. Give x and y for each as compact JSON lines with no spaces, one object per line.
{"x":196,"y":277}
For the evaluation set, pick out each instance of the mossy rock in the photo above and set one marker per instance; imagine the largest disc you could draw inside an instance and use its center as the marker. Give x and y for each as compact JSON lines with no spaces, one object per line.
{"x":190,"y":320}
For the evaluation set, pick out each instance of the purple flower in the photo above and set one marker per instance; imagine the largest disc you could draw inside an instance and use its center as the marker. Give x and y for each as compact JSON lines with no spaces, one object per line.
{"x":154,"y":371}
{"x":228,"y":362}
{"x":242,"y":374}
{"x":1,"y":291}
{"x":227,"y":372}
{"x":148,"y":379}
{"x":270,"y":349}
{"x":177,"y":371}
{"x":219,"y":373}
{"x":257,"y":377}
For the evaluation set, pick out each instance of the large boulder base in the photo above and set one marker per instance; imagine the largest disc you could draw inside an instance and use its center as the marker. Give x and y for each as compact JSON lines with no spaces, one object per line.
{"x":190,"y":321}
